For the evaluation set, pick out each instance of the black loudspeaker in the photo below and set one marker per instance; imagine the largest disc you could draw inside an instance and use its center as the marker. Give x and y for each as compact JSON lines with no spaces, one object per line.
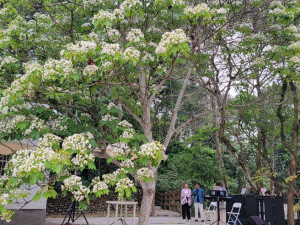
{"x":257,"y":221}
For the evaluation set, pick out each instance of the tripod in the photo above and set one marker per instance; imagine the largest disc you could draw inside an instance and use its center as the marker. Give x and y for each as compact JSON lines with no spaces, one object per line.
{"x":71,"y":214}
{"x":218,"y":221}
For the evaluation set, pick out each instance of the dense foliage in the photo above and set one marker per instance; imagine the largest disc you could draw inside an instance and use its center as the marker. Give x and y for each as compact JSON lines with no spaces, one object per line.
{"x":214,"y":81}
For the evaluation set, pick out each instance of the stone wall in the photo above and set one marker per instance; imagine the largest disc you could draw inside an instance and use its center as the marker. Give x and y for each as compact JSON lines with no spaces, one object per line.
{"x":61,"y":205}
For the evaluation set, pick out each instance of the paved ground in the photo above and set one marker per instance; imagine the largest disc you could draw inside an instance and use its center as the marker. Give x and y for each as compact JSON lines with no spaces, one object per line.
{"x":103,"y":221}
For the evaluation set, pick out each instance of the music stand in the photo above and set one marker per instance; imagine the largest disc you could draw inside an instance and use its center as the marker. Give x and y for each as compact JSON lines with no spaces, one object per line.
{"x":218,"y":193}
{"x":71,"y":214}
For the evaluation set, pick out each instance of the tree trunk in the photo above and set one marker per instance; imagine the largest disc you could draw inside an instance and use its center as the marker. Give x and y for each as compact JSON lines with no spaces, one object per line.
{"x":291,"y":193}
{"x":293,"y":159}
{"x":218,"y":146}
{"x":148,"y":194}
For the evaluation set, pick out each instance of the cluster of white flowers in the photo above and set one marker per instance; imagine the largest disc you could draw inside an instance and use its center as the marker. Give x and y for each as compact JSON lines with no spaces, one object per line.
{"x":3,"y":11}
{"x":36,"y":124}
{"x":292,"y":29}
{"x":94,"y":37}
{"x":104,"y":15}
{"x":128,"y":4}
{"x":82,"y":160}
{"x":4,"y":199}
{"x":135,"y":35}
{"x":85,"y":25}
{"x":148,"y":57}
{"x":295,"y":59}
{"x":110,"y":49}
{"x":111,"y":105}
{"x":27,"y":160}
{"x":78,"y":142}
{"x":74,"y":185}
{"x":7,"y":60}
{"x":9,"y":125}
{"x":170,"y":39}
{"x":280,"y":10}
{"x":57,"y":124}
{"x":108,"y":117}
{"x":145,"y":173}
{"x":113,"y":34}
{"x":295,"y":45}
{"x":110,"y":177}
{"x":71,"y":182}
{"x":117,"y":152}
{"x":123,"y":184}
{"x":202,"y":7}
{"x":81,"y":47}
{"x":125,"y":123}
{"x":150,"y":150}
{"x":90,"y":70}
{"x":119,"y":172}
{"x":81,"y":193}
{"x":106,"y":65}
{"x":128,"y":133}
{"x":127,"y":164}
{"x":119,"y":14}
{"x":31,"y":67}
{"x":221,"y":11}
{"x":53,"y":68}
{"x":132,"y":53}
{"x":48,"y":140}
{"x":98,"y":185}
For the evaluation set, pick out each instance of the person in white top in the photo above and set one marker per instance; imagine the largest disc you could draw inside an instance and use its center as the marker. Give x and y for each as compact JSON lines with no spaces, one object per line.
{"x":186,"y":201}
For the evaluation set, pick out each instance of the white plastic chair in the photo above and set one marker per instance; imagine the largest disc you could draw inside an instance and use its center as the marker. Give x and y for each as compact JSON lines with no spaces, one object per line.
{"x":233,"y":216}
{"x":209,"y":214}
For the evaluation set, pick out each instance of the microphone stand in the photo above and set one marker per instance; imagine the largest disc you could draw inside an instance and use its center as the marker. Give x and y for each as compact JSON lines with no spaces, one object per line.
{"x":218,"y":211}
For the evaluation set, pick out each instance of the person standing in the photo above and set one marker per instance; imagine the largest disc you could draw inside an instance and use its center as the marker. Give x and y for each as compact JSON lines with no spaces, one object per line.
{"x":198,"y":195}
{"x":222,"y":204}
{"x":186,"y":201}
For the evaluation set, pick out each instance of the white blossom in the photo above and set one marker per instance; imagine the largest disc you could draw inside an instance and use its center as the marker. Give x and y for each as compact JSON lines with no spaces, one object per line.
{"x":150,"y":150}
{"x":113,"y":34}
{"x":77,"y":142}
{"x":128,"y":4}
{"x":108,"y":117}
{"x":145,"y":173}
{"x":295,"y":45}
{"x":202,"y":7}
{"x":148,"y":57}
{"x":123,"y":184}
{"x":81,"y":47}
{"x":90,"y":70}
{"x":125,"y":123}
{"x":104,"y":15}
{"x":111,"y":105}
{"x":98,"y":185}
{"x":295,"y":59}
{"x":127,"y":164}
{"x":170,"y":39}
{"x":132,"y":53}
{"x":110,"y":49}
{"x":135,"y":35}
{"x":128,"y":133}
{"x":117,"y":152}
